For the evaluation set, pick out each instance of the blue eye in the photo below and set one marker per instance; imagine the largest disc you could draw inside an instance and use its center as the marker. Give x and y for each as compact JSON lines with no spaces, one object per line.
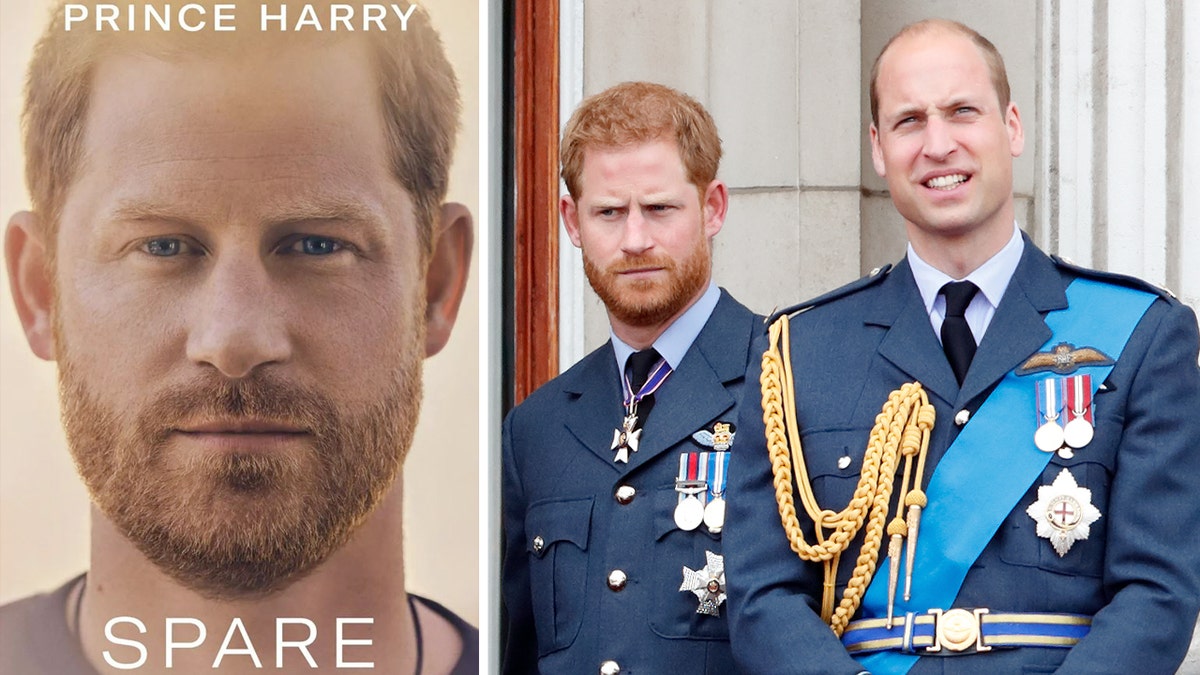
{"x":163,"y":248}
{"x":314,"y":245}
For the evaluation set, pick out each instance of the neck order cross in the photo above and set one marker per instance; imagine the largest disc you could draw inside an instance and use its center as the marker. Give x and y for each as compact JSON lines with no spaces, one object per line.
{"x":648,"y":371}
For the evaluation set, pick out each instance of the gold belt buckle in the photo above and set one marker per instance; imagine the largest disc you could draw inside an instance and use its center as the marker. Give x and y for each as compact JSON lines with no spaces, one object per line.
{"x":957,"y":630}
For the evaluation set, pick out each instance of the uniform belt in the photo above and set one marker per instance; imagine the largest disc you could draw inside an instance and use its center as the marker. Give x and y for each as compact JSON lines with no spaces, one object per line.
{"x":965,"y":631}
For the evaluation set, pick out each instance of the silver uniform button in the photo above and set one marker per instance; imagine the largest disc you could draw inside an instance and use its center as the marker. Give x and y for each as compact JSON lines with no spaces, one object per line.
{"x":961,"y":417}
{"x":625,"y":494}
{"x":610,"y":668}
{"x":616,"y":580}
{"x":538,"y":544}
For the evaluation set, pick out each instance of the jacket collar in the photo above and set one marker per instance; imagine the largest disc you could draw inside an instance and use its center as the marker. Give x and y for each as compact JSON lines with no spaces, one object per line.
{"x":1017,"y":329}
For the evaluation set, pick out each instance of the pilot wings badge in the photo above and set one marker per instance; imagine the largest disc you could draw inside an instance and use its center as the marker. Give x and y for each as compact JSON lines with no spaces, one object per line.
{"x":1064,"y":359}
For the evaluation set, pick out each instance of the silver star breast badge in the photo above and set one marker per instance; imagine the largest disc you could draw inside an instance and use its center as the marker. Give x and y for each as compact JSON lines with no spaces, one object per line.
{"x":1063,"y":512}
{"x":707,"y":583}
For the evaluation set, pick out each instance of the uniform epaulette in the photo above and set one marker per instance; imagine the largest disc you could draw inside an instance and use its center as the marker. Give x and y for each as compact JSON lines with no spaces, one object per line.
{"x":875,"y":276}
{"x":1115,"y":278}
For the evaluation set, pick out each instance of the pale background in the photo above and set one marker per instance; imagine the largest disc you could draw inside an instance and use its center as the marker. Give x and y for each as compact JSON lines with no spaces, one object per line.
{"x":44,"y":506}
{"x":1110,"y":176}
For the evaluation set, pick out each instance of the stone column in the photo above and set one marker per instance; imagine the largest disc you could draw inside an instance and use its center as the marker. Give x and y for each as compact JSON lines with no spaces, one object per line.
{"x":1119,"y":174}
{"x":830,"y":143}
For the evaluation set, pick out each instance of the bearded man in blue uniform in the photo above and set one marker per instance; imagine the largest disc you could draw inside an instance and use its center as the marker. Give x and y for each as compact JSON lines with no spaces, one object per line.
{"x":1027,"y":507}
{"x":614,"y":471}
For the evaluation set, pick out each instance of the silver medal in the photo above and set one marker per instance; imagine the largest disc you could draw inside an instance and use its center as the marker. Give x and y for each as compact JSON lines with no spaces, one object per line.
{"x":1048,"y":437}
{"x":1078,"y":432}
{"x":689,"y":513}
{"x":714,"y":514}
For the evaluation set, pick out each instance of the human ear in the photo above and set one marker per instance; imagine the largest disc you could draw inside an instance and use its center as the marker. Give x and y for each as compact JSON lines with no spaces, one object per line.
{"x":30,"y":278}
{"x":877,"y":153}
{"x":1016,"y":134}
{"x":446,"y":276}
{"x":570,"y":216}
{"x":715,"y":206}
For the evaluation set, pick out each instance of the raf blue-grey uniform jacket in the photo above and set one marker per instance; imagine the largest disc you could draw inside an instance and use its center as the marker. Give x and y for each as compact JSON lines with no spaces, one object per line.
{"x":1138,"y":572}
{"x":560,"y":483}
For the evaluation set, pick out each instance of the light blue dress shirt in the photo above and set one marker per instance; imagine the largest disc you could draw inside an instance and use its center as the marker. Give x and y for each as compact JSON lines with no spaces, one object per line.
{"x":679,"y":336}
{"x":991,"y":277}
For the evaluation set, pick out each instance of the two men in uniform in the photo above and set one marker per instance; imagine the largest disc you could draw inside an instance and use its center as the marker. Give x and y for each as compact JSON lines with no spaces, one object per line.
{"x":969,"y":455}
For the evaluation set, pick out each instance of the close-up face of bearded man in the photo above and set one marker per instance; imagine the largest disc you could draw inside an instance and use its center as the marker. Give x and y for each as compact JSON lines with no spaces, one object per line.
{"x":238,"y":254}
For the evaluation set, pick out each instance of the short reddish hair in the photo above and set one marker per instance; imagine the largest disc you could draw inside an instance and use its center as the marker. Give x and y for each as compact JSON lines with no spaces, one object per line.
{"x":417,"y":90}
{"x":640,"y":112}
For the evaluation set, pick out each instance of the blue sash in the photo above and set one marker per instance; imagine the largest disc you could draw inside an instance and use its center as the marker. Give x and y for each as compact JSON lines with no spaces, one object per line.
{"x":992,"y":463}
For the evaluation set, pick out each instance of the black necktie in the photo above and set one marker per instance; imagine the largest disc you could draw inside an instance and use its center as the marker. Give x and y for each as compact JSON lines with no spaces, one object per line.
{"x":957,"y":340}
{"x":639,"y":365}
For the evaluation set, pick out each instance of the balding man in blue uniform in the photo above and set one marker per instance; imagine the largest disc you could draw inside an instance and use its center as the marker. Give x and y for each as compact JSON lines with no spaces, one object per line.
{"x":614,"y":471}
{"x":1030,"y":507}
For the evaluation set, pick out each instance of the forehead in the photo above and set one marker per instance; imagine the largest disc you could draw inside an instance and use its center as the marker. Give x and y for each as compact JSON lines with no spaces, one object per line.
{"x":651,"y":166}
{"x":931,"y":66}
{"x":232,"y":132}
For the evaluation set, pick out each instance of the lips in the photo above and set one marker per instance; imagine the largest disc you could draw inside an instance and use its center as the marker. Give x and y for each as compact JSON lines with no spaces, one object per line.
{"x":641,"y":266}
{"x":639,"y":271}
{"x":241,"y":426}
{"x":241,"y":436}
{"x":946,"y":181}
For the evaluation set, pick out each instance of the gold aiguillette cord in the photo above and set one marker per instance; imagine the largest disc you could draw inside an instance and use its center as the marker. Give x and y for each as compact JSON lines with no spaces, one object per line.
{"x":901,"y":428}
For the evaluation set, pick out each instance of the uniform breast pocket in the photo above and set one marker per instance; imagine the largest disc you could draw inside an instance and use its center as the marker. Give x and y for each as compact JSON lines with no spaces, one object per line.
{"x":557,"y":548}
{"x":1062,"y":507}
{"x":834,"y":459}
{"x":672,"y":610}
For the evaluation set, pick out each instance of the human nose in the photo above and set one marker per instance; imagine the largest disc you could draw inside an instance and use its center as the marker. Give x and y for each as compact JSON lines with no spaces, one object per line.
{"x":635,"y":236}
{"x":238,"y":322}
{"x":939,"y":138}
